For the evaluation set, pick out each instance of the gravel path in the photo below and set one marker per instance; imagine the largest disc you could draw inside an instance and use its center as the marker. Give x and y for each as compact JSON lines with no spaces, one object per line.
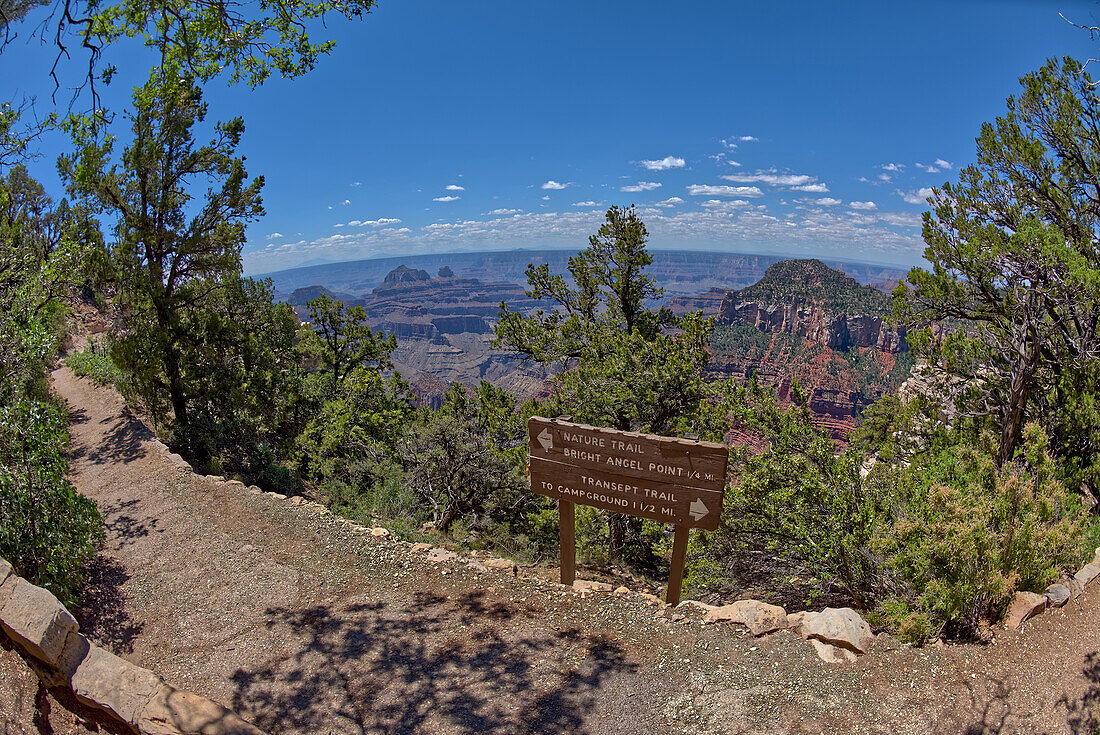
{"x":302,"y":623}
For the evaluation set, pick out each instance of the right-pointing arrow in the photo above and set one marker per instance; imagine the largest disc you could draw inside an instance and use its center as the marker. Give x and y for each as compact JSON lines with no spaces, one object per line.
{"x":698,"y":509}
{"x":546,"y":439}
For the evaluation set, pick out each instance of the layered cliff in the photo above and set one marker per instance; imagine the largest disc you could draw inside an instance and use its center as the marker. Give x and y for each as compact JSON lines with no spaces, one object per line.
{"x":811,"y":300}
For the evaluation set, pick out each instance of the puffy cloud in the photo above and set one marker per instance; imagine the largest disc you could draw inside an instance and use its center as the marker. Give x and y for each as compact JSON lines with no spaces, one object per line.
{"x":748,"y":139}
{"x":895,"y":167}
{"x":928,"y":168}
{"x":865,"y":206}
{"x":916,"y":197}
{"x":826,"y":202}
{"x":551,"y":184}
{"x":664,"y":164}
{"x":703,"y":190}
{"x":455,"y":187}
{"x":771,"y":177}
{"x":586,"y":204}
{"x":346,"y":202}
{"x":274,"y":236}
{"x":357,"y":183}
{"x":498,"y":212}
{"x":445,"y":199}
{"x":818,"y":188}
{"x":946,"y":165}
{"x":641,"y":186}
{"x":670,"y":202}
{"x":733,"y":163}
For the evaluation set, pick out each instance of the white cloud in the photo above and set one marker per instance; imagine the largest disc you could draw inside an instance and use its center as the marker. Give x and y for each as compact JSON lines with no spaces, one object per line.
{"x":729,"y":144}
{"x":826,"y":201}
{"x":817,"y":188}
{"x":916,"y":197}
{"x":748,"y":139}
{"x":770,"y":177}
{"x":928,"y":168}
{"x":455,"y":187}
{"x":885,"y":177}
{"x":498,"y":212}
{"x":865,"y":206}
{"x":357,"y":183}
{"x":664,"y":164}
{"x":546,"y":198}
{"x":670,"y":202}
{"x":944,"y":164}
{"x":380,"y":222}
{"x":733,"y":163}
{"x":724,"y":205}
{"x":346,"y":202}
{"x":701,"y":190}
{"x":551,"y":184}
{"x":895,"y":167}
{"x":274,"y":235}
{"x":641,"y":186}
{"x":445,"y":199}
{"x":586,"y":204}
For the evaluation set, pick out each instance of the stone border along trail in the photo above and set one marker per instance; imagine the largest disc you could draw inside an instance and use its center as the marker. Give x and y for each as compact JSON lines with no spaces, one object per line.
{"x":302,"y":622}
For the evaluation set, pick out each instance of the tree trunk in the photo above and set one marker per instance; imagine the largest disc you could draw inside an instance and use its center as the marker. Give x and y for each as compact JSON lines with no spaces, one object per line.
{"x":1023,"y":374}
{"x":616,"y":536}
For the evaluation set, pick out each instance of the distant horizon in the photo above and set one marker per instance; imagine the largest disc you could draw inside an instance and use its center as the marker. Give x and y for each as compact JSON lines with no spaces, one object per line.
{"x":410,"y":256}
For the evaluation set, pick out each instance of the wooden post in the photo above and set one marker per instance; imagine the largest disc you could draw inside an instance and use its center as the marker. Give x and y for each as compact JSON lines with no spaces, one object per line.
{"x":676,"y":570}
{"x":567,"y":541}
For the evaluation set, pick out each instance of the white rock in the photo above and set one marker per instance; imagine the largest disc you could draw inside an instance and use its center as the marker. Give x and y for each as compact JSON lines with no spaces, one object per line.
{"x":841,"y":627}
{"x":759,"y":617}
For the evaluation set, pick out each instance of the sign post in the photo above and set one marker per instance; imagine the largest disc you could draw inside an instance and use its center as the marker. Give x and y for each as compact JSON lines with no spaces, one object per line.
{"x":665,"y":479}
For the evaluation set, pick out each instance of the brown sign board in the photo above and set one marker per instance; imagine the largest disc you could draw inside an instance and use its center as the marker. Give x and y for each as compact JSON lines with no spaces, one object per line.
{"x":643,"y":456}
{"x":664,"y":479}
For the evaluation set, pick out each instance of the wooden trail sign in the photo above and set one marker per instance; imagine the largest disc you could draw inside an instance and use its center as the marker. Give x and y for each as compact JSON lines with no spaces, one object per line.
{"x":677,"y":481}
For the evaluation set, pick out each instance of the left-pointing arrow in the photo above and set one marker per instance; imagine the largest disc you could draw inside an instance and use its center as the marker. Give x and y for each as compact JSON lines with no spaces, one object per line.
{"x":546,"y":439}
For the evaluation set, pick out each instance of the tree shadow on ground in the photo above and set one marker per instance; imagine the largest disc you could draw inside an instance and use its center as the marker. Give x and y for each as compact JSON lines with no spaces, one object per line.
{"x":122,"y":527}
{"x":433,"y":665}
{"x":102,"y":614}
{"x":123,"y":442}
{"x":1083,"y":714}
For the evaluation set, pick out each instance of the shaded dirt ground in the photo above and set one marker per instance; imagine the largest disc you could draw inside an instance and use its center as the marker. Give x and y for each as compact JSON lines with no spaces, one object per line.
{"x":303,"y":624}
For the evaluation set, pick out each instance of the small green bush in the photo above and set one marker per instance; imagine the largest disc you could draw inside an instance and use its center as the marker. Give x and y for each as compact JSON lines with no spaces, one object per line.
{"x":48,"y":531}
{"x":95,"y":362}
{"x":966,"y":535}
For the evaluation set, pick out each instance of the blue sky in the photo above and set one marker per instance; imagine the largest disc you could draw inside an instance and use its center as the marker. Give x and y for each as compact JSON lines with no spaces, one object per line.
{"x":801,"y":128}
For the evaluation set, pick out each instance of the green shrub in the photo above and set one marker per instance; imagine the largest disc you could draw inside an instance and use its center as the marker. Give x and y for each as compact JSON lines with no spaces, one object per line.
{"x":95,"y":362}
{"x":966,"y":535}
{"x":265,"y":471}
{"x":48,"y":532}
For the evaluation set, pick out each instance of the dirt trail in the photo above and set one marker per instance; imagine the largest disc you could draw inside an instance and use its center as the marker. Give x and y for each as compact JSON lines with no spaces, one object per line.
{"x":304,"y":625}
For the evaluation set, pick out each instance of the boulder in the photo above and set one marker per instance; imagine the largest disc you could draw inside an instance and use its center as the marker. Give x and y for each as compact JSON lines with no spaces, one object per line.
{"x":441,"y":555}
{"x":1023,"y":606}
{"x":622,"y":590}
{"x":254,"y":490}
{"x":838,"y":626}
{"x":107,"y":682}
{"x":1086,"y":574}
{"x":234,"y":483}
{"x":649,"y":597}
{"x":171,"y":712}
{"x":1057,"y":595}
{"x":419,"y":547}
{"x":831,"y":654}
{"x":500,"y":564}
{"x":75,"y":651}
{"x":297,"y":500}
{"x":759,"y":617}
{"x":379,"y":532}
{"x":37,"y":621}
{"x":587,"y":585}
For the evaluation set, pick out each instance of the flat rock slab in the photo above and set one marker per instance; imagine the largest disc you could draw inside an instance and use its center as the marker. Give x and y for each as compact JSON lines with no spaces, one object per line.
{"x":36,"y":620}
{"x":1023,"y":606}
{"x":105,"y":681}
{"x":171,"y":712}
{"x":838,"y":626}
{"x":500,"y":564}
{"x":587,"y":585}
{"x":1086,"y":574}
{"x":759,"y":617}
{"x":441,"y":555}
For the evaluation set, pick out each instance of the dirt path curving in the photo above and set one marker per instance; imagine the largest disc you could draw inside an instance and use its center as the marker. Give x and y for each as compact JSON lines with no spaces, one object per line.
{"x":303,"y":624}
